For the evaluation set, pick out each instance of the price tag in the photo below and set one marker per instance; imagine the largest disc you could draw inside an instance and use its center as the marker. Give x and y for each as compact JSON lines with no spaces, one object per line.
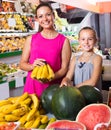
{"x":11,"y":22}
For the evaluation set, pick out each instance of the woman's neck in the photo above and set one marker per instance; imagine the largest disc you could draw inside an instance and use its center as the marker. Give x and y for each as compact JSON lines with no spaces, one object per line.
{"x":49,"y":33}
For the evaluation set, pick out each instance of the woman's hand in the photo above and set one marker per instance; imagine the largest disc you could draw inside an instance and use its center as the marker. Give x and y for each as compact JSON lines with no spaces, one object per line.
{"x":39,"y":62}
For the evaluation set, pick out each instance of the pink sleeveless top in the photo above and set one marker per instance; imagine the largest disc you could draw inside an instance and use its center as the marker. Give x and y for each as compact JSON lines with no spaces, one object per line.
{"x":48,"y":49}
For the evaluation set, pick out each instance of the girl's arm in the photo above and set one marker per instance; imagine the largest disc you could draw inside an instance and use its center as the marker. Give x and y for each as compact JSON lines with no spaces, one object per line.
{"x":67,"y":79}
{"x":97,"y":62}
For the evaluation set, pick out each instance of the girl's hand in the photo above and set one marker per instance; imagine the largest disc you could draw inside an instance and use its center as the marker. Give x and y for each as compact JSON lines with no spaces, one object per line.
{"x":65,"y":82}
{"x":39,"y":62}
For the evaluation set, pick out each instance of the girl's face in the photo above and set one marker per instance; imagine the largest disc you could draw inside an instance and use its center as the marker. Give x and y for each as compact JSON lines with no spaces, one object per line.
{"x":45,"y":17}
{"x":87,"y":40}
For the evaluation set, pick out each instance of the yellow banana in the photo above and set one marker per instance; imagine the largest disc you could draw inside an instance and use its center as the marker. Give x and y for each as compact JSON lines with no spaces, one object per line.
{"x":44,"y":119}
{"x":34,"y":72}
{"x":36,"y":123}
{"x":13,"y":99}
{"x":27,"y":101}
{"x":35,"y":100}
{"x":20,"y":111}
{"x":2,"y":119}
{"x":11,"y":118}
{"x":22,"y":120}
{"x":23,"y":97}
{"x":9,"y":109}
{"x":38,"y":75}
{"x":5,"y":107}
{"x":28,"y":124}
{"x":51,"y":73}
{"x":31,"y":114}
{"x":4,"y":102}
{"x":44,"y":74}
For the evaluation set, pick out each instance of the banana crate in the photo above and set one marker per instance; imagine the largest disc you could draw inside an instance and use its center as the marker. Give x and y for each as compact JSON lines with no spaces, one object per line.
{"x":11,"y":76}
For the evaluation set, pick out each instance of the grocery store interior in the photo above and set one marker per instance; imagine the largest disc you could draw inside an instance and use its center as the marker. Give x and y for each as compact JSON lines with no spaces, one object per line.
{"x":17,"y":21}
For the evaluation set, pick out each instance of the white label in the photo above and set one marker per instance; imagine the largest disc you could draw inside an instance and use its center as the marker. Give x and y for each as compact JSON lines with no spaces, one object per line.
{"x":11,"y":22}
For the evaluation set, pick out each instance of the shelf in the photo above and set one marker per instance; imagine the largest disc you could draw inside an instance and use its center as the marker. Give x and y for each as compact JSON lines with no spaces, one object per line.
{"x":8,"y":54}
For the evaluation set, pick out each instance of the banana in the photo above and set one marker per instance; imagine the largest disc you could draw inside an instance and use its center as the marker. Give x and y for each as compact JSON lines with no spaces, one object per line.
{"x":27,"y":101}
{"x":22,"y":120}
{"x":2,"y":119}
{"x":44,"y":74}
{"x":13,"y":99}
{"x":34,"y":72}
{"x":44,"y":119}
{"x":42,"y":126}
{"x":51,"y":120}
{"x":5,"y":107}
{"x":4,"y":102}
{"x":38,"y":75}
{"x":36,"y":123}
{"x":23,"y":97}
{"x":11,"y":118}
{"x":28,"y":124}
{"x":51,"y":73}
{"x":10,"y":108}
{"x":35,"y":100}
{"x":31,"y":114}
{"x":20,"y":111}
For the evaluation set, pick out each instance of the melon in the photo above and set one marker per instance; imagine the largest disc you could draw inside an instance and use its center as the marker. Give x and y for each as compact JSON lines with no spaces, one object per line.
{"x":46,"y":97}
{"x":93,"y":114}
{"x":66,"y":125}
{"x":67,"y":102}
{"x":91,"y":94}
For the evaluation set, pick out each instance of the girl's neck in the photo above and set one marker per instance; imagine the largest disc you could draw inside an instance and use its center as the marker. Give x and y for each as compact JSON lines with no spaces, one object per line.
{"x":87,"y":54}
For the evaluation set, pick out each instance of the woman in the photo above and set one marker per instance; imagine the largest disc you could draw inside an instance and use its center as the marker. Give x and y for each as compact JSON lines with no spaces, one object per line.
{"x":47,"y":45}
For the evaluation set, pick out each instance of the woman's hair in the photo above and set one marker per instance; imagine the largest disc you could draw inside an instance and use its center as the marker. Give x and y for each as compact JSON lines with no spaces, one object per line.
{"x":43,"y":4}
{"x":88,"y":28}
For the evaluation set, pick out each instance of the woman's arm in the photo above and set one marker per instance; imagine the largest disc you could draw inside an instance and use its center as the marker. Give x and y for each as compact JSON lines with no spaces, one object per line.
{"x":97,"y":71}
{"x":67,"y":79}
{"x":66,"y":55}
{"x":24,"y":62}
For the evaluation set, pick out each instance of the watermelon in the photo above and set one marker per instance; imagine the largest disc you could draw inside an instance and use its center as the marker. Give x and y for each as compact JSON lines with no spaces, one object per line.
{"x":46,"y":97}
{"x":66,"y":125}
{"x":91,"y":94}
{"x":67,"y":102}
{"x":93,"y":114}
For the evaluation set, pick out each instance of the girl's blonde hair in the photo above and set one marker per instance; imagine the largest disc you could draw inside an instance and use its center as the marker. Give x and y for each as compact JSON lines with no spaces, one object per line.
{"x":88,"y":28}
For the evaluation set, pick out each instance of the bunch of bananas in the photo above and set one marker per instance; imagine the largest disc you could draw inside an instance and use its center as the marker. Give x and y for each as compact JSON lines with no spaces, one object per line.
{"x":43,"y":73}
{"x":26,"y":109}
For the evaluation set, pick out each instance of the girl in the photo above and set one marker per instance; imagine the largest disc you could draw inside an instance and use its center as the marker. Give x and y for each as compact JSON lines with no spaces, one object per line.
{"x":46,"y":45}
{"x":86,"y":68}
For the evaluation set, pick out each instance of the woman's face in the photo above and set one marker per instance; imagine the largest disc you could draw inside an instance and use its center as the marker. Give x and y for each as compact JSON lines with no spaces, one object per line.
{"x":87,"y":40}
{"x":45,"y":17}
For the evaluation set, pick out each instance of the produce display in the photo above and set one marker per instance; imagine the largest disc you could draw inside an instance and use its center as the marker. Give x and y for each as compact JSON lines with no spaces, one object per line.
{"x":43,"y":73}
{"x":93,"y":114}
{"x":16,"y":22}
{"x":10,"y":44}
{"x":7,"y":6}
{"x":91,"y":94}
{"x":6,"y":69}
{"x":25,"y":109}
